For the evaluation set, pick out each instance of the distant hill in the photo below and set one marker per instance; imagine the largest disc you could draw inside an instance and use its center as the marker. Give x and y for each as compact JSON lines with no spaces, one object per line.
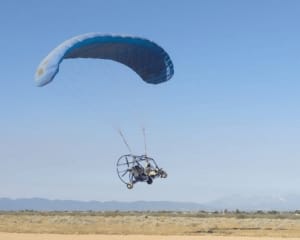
{"x":40,"y":204}
{"x":289,"y":202}
{"x":232,"y":203}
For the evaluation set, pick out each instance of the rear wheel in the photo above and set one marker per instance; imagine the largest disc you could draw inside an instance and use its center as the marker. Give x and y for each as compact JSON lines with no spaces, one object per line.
{"x":149,"y":181}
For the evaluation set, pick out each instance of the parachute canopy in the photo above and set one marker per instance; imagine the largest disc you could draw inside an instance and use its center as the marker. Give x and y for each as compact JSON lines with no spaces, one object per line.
{"x":145,"y":57}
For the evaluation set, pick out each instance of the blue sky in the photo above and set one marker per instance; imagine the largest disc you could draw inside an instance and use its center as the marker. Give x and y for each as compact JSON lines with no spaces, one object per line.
{"x":226,"y":123}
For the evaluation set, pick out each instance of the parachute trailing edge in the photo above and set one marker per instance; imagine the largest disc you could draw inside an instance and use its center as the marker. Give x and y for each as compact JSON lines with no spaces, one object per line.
{"x":146,"y":58}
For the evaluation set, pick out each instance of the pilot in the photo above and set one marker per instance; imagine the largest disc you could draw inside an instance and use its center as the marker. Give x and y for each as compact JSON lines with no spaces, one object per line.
{"x":150,"y":170}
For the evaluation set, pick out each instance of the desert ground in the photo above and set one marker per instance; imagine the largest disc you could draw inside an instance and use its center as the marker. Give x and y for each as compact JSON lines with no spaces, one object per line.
{"x":26,"y":236}
{"x":29,"y":225}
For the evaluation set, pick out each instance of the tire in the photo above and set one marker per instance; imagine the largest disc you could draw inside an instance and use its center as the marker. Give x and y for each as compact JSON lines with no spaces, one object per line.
{"x":149,"y":181}
{"x":163,"y":174}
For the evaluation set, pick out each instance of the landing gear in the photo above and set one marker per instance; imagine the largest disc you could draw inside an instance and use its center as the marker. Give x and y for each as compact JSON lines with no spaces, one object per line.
{"x":163,"y":174}
{"x":149,"y":181}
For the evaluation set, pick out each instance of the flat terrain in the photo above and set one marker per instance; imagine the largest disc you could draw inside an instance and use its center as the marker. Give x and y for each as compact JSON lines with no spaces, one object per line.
{"x":139,"y":225}
{"x":29,"y":236}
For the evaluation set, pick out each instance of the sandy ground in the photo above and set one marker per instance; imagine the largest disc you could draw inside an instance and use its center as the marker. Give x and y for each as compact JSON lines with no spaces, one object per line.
{"x":29,"y":236}
{"x":148,"y":225}
{"x":161,"y":226}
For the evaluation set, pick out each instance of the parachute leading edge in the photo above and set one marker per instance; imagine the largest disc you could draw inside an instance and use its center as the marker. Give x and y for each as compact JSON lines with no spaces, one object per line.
{"x":145,"y":57}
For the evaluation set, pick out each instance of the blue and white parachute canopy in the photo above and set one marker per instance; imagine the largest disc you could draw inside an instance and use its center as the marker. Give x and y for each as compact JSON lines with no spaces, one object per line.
{"x":145,"y":57}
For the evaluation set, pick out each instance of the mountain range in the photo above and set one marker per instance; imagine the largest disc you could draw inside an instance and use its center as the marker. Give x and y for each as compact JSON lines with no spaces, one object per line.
{"x":250,"y":203}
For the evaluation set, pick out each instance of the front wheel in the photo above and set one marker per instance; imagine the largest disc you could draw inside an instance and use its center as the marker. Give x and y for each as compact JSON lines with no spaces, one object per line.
{"x":163,"y":174}
{"x":129,"y":185}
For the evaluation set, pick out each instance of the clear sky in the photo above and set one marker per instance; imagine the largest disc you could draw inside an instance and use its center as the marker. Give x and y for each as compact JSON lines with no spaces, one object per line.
{"x":226,"y":123}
